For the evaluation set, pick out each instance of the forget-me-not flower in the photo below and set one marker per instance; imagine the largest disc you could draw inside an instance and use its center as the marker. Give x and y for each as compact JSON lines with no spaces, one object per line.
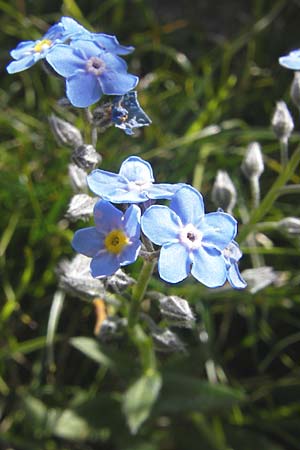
{"x":114,"y":241}
{"x":127,"y":113}
{"x":192,"y":241}
{"x":232,"y":255}
{"x":133,"y":184}
{"x":291,"y":61}
{"x":27,"y":53}
{"x":90,"y":71}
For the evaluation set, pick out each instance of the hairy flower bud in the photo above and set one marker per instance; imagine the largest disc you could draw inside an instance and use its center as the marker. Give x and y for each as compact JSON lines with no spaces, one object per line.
{"x":282,"y":122}
{"x":223,"y":192}
{"x":295,"y":90}
{"x":86,"y":157}
{"x":253,"y":164}
{"x":75,"y":278}
{"x":119,"y":281}
{"x":64,"y":132}
{"x":177,"y":311}
{"x":259,"y":278}
{"x":112,"y":328}
{"x":81,"y":207}
{"x":290,"y":225}
{"x":77,"y":178}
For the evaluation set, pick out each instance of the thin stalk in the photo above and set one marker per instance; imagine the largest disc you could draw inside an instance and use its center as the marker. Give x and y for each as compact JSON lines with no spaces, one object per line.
{"x":284,"y":152}
{"x":139,"y":290}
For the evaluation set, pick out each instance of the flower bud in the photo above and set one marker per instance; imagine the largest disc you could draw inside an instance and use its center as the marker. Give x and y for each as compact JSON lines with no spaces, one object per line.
{"x":295,"y":90}
{"x":77,"y":177}
{"x":75,"y":278}
{"x":167,"y":341}
{"x":119,"y":281}
{"x":112,"y":328}
{"x":64,"y":132}
{"x":223,"y":192}
{"x":177,"y":311}
{"x":86,"y":157}
{"x":290,"y":225}
{"x":81,"y":207}
{"x":282,"y":122}
{"x":259,"y":278}
{"x":253,"y":164}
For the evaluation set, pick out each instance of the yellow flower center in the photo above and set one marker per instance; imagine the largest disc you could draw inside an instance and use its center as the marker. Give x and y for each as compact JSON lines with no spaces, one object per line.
{"x":42,"y":45}
{"x":115,"y":241}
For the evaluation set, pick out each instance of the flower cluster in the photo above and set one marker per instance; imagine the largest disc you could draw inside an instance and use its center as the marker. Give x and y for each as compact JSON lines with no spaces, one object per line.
{"x":89,"y":62}
{"x":191,"y":241}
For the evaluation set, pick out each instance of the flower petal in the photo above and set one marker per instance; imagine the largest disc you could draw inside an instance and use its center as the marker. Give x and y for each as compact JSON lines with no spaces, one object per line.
{"x":83,"y":89}
{"x":21,"y":64}
{"x":116,"y":83}
{"x":136,"y":169}
{"x":87,"y":241}
{"x":209,"y":267}
{"x":23,"y":48}
{"x":160,"y":224}
{"x":188,"y":205}
{"x":107,"y":217}
{"x":105,"y":183}
{"x":174,"y":263}
{"x":104,"y":264}
{"x":235,"y":278}
{"x":130,"y":253}
{"x":132,"y":219}
{"x":163,"y":190}
{"x":64,"y":60}
{"x":291,"y":61}
{"x":218,"y":229}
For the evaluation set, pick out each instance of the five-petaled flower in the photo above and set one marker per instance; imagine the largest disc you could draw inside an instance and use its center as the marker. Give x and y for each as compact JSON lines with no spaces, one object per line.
{"x":114,"y":241}
{"x":133,"y":184}
{"x":192,"y":241}
{"x":27,"y":53}
{"x":90,"y":71}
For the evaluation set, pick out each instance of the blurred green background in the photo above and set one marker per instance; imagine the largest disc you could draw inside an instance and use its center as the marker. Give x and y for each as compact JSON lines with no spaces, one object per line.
{"x":209,"y":80}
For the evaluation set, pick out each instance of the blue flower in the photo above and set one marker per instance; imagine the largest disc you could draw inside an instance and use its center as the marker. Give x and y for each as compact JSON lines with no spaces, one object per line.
{"x":105,"y":41}
{"x":114,"y":241}
{"x":291,"y":61}
{"x":127,"y":113}
{"x":232,"y":255}
{"x":192,"y":241}
{"x":133,"y":184}
{"x":90,"y":72}
{"x":27,"y":53}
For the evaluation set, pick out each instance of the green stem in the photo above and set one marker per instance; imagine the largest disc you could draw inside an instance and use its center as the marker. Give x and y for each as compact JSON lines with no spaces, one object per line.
{"x":139,"y":290}
{"x":284,"y":152}
{"x":267,"y":202}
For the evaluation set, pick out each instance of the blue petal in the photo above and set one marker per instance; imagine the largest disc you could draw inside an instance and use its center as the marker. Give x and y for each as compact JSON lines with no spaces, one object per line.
{"x":174,"y":263}
{"x":88,"y":241}
{"x":209,"y":267}
{"x":114,"y":62}
{"x":23,"y":49}
{"x":136,"y":169}
{"x":130,"y":253}
{"x":107,"y":217}
{"x":106,"y":184}
{"x":83,"y":89}
{"x":218,"y":229}
{"x":88,"y":47}
{"x":72,"y":27}
{"x":163,"y":190}
{"x":188,"y":205}
{"x":291,"y":61}
{"x":132,"y":219}
{"x":21,"y":64}
{"x":104,"y":264}
{"x":64,"y":60}
{"x":114,"y":83}
{"x":111,"y":44}
{"x":161,"y":225}
{"x":234,"y":277}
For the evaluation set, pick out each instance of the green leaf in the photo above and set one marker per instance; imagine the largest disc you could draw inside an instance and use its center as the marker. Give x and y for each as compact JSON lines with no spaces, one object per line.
{"x":70,"y":426}
{"x":139,"y":399}
{"x":91,"y":348}
{"x":184,"y":394}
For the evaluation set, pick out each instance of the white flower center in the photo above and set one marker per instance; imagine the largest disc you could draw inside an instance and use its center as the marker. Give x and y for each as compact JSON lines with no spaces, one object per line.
{"x":95,"y":65}
{"x":190,"y":237}
{"x":138,"y":185}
